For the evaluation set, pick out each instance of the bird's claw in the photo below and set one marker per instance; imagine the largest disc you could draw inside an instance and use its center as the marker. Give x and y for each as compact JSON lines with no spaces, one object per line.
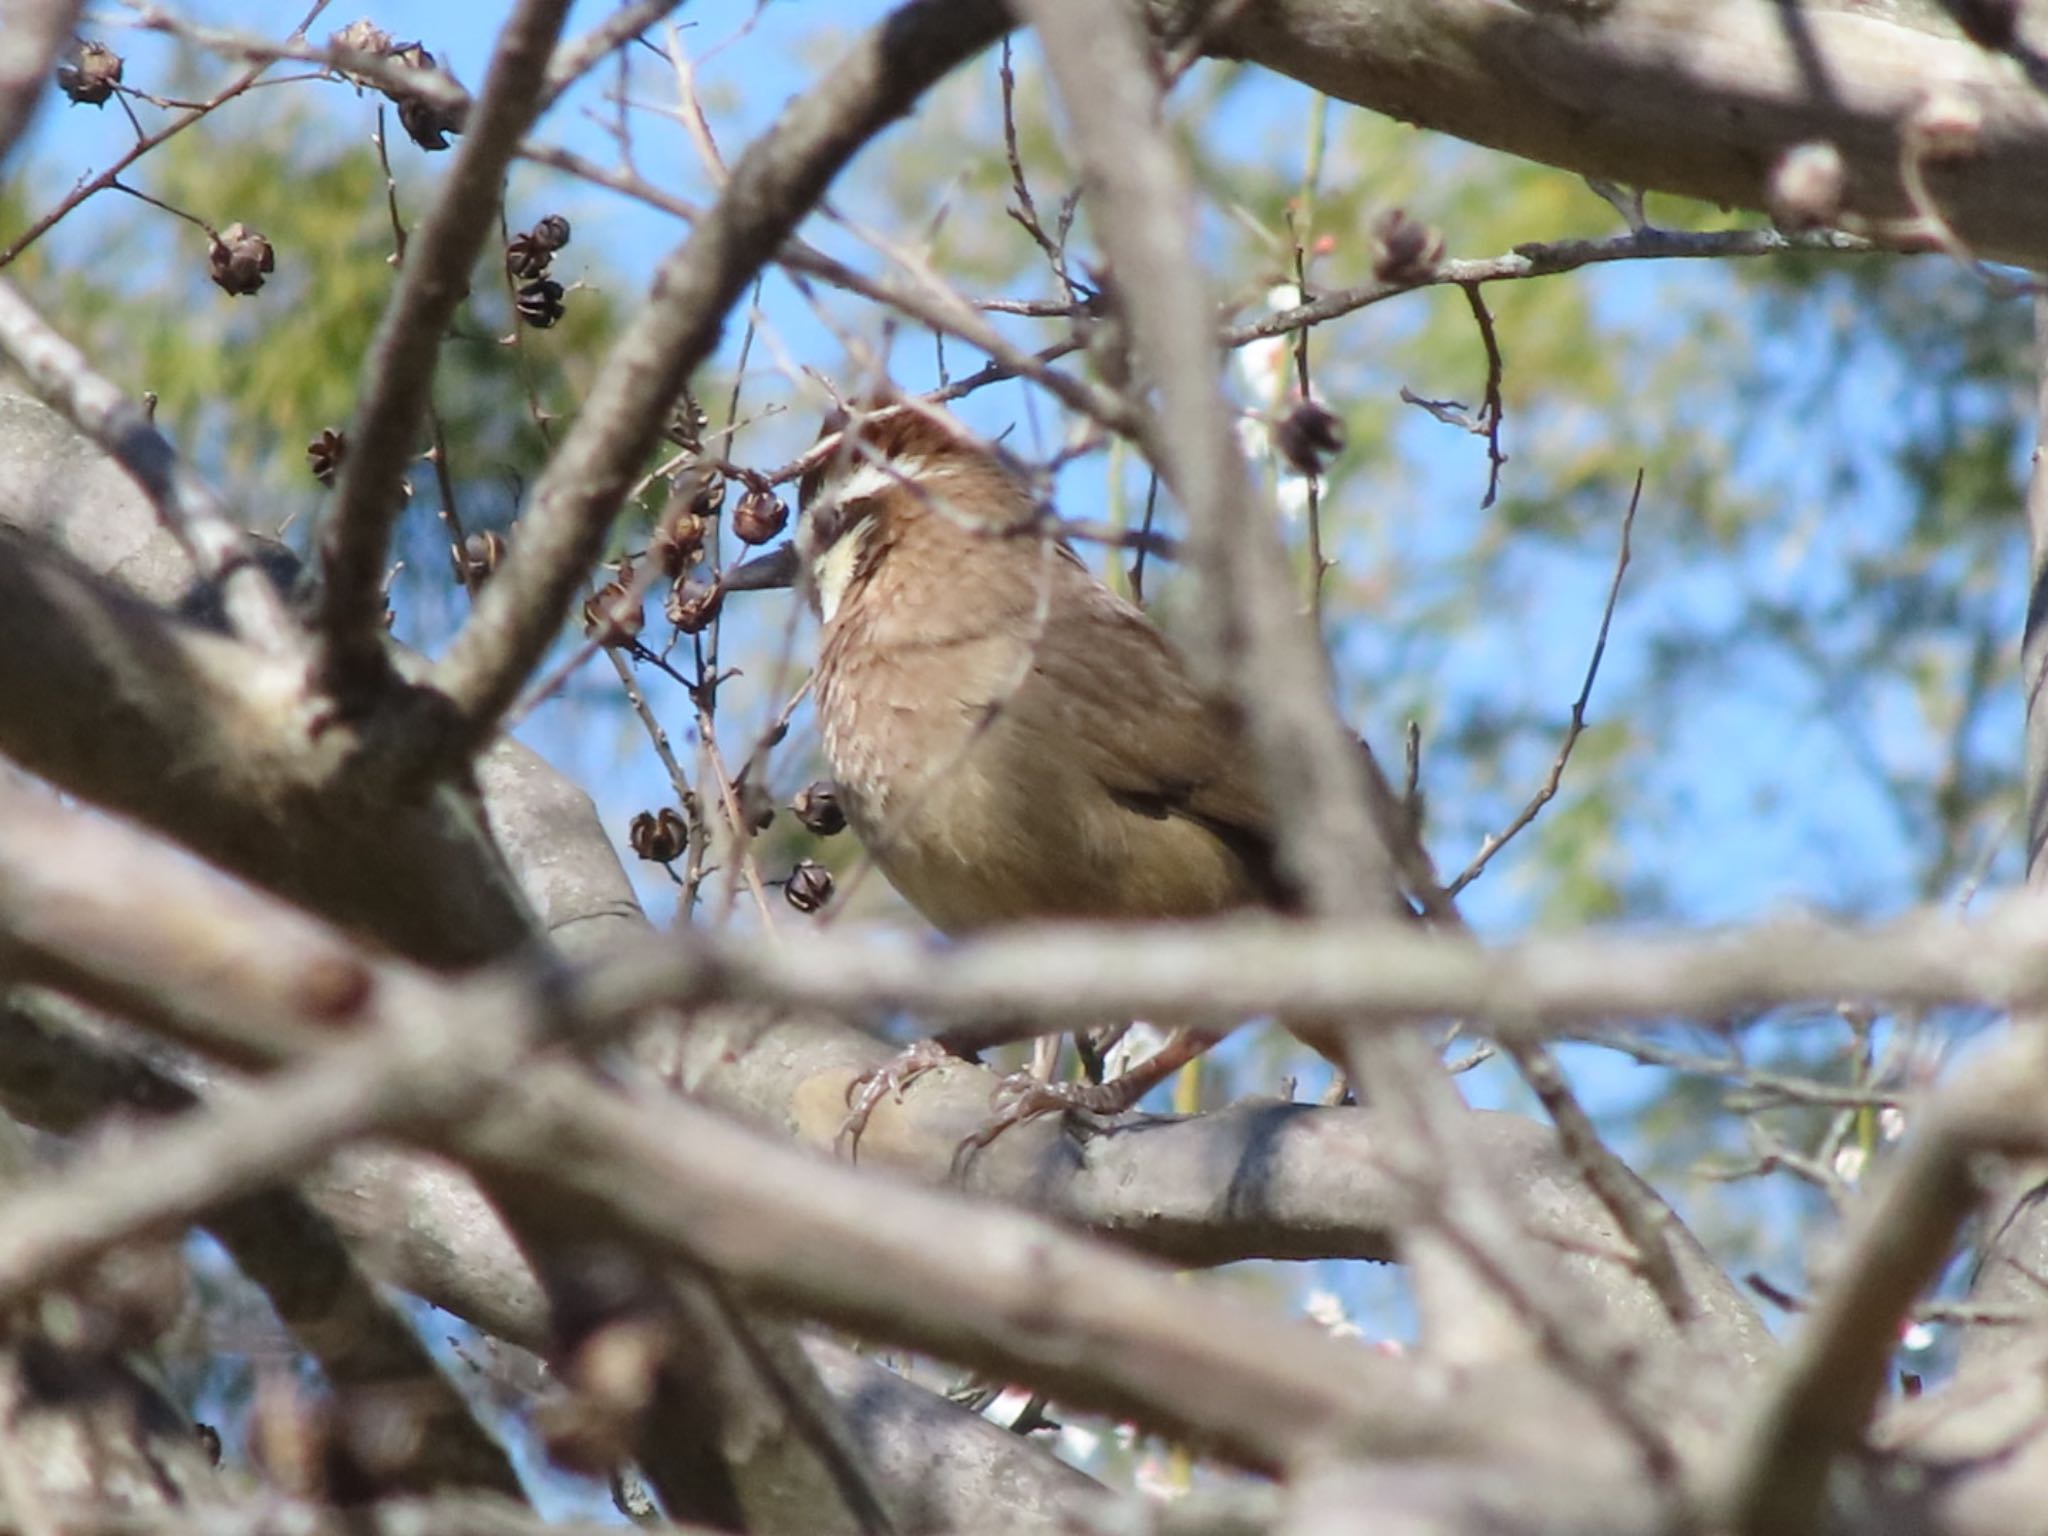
{"x":1020,"y":1097}
{"x":887,"y":1081}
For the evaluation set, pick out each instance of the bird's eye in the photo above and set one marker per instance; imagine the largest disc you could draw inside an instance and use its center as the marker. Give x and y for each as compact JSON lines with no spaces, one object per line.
{"x":833,"y":520}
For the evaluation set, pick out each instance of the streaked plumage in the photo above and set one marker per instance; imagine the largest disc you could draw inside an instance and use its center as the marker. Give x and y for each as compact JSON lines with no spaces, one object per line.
{"x":1011,"y":739}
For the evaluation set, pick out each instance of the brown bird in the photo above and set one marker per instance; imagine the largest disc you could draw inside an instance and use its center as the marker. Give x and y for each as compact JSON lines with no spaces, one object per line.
{"x":1011,"y":739}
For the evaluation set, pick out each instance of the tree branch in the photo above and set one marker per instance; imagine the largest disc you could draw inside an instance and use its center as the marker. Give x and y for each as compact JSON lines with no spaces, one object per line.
{"x":424,"y":1229}
{"x":1819,"y":1406}
{"x":1698,"y":99}
{"x":29,"y":48}
{"x":778,"y":181}
{"x":399,"y":372}
{"x":1224,"y":971}
{"x":1002,"y":1291}
{"x":221,"y":551}
{"x":104,"y":691}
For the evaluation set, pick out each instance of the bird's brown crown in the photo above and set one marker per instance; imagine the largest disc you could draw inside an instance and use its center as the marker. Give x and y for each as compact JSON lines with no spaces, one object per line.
{"x":891,"y":444}
{"x":893,"y":466}
{"x":882,"y":431}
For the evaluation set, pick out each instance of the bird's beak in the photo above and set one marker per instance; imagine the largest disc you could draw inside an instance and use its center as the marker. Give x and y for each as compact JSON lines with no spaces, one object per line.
{"x":764,"y":573}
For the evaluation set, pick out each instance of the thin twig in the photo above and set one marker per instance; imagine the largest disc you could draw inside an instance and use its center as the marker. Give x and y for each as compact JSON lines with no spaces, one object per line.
{"x":135,"y":152}
{"x":1574,"y":727}
{"x":1491,"y":408}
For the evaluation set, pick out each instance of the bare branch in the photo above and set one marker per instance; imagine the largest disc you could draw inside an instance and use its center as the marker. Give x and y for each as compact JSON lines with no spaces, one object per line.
{"x":29,"y":47}
{"x":575,"y":59}
{"x":1575,"y":725}
{"x":1819,"y":1406}
{"x":1547,"y":258}
{"x":1703,"y":103}
{"x":1003,"y":1291}
{"x":398,"y":375}
{"x":143,"y":145}
{"x":1062,"y":976}
{"x":221,"y":550}
{"x":776,"y":182}
{"x":426,"y":1230}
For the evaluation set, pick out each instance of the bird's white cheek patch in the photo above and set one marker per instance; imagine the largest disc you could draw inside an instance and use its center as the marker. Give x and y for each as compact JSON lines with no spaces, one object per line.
{"x":833,"y":570}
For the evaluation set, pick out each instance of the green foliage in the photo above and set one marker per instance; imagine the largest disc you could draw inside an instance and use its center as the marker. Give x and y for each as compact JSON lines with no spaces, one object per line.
{"x":245,"y":382}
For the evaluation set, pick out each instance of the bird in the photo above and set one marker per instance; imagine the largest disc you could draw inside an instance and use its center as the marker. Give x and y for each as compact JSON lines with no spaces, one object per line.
{"x":1010,"y":739}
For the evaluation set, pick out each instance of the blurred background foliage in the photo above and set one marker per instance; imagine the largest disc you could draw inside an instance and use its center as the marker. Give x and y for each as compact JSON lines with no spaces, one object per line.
{"x":1809,"y":698}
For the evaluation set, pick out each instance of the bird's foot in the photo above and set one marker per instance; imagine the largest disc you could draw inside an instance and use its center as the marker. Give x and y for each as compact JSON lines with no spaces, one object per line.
{"x":1020,"y":1097}
{"x":888,"y":1080}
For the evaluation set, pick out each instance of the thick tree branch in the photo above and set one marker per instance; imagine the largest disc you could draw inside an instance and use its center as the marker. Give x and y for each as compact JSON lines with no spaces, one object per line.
{"x":29,"y":47}
{"x":104,"y":692}
{"x":221,"y":551}
{"x":1060,"y":976}
{"x":1000,"y":1291}
{"x":425,"y":1229}
{"x":1683,"y":96}
{"x":1259,"y":1179}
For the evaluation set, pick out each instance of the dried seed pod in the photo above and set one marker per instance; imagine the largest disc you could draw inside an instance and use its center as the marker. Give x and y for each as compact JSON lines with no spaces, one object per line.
{"x":240,"y":259}
{"x":551,"y":233}
{"x":1405,"y":250}
{"x":426,"y":124}
{"x":478,"y":558}
{"x":817,"y":806}
{"x":692,"y":605}
{"x":363,"y":36}
{"x":809,"y":886}
{"x":526,"y":257}
{"x":612,"y":616}
{"x":89,"y":76}
{"x":540,"y":302}
{"x":679,"y":542}
{"x":1309,"y":436}
{"x":659,"y":838}
{"x":686,"y":423}
{"x":699,"y":487}
{"x":325,"y":453}
{"x":759,"y":516}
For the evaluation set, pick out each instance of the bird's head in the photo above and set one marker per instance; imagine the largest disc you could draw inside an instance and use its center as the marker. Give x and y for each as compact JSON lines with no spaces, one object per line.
{"x":894,"y":474}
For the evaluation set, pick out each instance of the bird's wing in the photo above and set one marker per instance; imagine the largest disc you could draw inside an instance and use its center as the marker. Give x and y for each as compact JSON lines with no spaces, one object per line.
{"x":1181,"y":753}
